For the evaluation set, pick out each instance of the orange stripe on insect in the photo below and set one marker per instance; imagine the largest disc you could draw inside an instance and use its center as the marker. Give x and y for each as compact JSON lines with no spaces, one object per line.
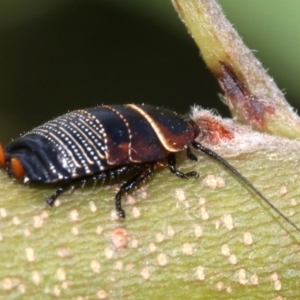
{"x":2,"y":157}
{"x":17,"y":169}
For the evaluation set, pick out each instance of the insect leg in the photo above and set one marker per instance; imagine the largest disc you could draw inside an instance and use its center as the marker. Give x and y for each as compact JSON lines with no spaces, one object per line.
{"x":51,"y":200}
{"x":191,"y":155}
{"x":172,"y":166}
{"x":129,"y":185}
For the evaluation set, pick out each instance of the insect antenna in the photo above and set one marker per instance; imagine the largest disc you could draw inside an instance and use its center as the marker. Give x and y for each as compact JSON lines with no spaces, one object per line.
{"x":217,"y":157}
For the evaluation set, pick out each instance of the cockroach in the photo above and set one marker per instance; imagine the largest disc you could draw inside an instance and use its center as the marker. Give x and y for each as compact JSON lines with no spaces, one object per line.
{"x":107,"y":141}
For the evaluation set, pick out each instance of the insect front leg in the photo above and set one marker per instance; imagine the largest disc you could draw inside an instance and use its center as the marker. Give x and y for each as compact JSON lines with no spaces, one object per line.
{"x":172,"y":167}
{"x":191,"y":155}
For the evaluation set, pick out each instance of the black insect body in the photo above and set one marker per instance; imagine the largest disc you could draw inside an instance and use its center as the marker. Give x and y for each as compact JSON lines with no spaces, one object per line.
{"x":99,"y":143}
{"x":104,"y":142}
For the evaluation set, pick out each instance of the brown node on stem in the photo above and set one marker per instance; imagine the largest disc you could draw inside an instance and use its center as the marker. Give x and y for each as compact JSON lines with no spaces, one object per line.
{"x":248,"y":107}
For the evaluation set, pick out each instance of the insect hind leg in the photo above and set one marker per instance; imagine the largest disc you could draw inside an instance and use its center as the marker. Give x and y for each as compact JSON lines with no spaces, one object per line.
{"x":51,"y":200}
{"x":109,"y":174}
{"x":172,"y":166}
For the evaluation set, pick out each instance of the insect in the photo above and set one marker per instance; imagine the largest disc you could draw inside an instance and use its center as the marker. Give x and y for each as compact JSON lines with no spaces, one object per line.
{"x":105,"y":142}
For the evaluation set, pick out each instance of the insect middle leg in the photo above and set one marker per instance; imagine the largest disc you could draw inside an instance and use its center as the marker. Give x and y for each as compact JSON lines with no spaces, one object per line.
{"x":146,"y":171}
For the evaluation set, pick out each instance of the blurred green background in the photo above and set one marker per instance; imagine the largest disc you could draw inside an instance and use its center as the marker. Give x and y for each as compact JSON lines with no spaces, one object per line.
{"x":60,"y":55}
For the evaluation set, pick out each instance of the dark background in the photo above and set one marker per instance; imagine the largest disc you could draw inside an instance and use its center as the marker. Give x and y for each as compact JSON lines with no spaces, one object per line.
{"x":60,"y":55}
